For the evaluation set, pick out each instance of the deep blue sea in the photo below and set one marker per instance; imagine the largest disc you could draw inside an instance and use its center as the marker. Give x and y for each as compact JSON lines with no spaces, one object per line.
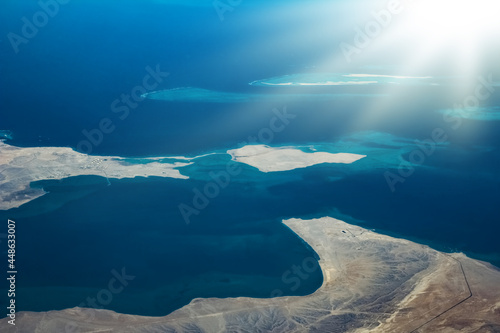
{"x":65,"y":79}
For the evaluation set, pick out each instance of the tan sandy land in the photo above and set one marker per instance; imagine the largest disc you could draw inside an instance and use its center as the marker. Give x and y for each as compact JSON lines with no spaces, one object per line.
{"x":270,"y":159}
{"x":373,"y":283}
{"x":21,"y":166}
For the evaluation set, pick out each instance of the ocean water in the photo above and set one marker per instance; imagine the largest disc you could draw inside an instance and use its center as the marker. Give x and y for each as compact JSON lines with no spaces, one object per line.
{"x":70,"y":241}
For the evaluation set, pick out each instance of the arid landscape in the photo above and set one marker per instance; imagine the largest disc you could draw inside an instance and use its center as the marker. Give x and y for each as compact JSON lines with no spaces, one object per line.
{"x":372,"y":283}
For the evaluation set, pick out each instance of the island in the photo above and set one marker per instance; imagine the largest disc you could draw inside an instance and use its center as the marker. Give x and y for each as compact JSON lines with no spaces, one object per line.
{"x":271,"y":159}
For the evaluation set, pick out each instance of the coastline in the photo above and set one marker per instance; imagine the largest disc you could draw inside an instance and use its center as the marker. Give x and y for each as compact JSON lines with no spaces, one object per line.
{"x":372,"y":283}
{"x":22,"y":166}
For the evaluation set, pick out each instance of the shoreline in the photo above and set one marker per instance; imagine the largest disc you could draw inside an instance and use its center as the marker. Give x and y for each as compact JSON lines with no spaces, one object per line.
{"x":396,"y":284}
{"x":22,"y":166}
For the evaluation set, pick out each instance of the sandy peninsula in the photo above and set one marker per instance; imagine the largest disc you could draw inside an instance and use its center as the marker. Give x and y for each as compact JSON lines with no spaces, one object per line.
{"x":272,"y":159}
{"x":21,"y":166}
{"x":372,"y":283}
